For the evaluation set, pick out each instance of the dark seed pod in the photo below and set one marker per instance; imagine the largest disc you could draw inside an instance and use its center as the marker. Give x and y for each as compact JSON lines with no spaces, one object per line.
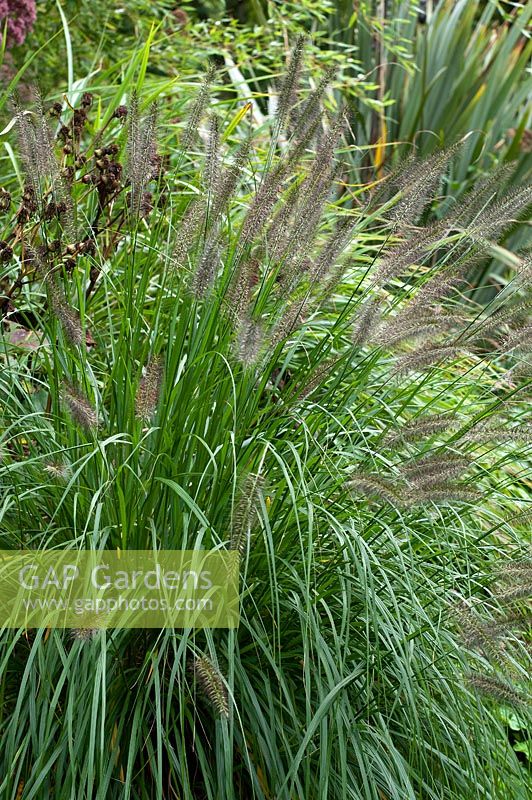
{"x":5,"y":200}
{"x":120,"y":112}
{"x":55,"y":110}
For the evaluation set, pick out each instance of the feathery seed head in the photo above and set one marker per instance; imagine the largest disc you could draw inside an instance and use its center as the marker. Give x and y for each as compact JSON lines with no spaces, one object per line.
{"x":419,"y":428}
{"x":421,"y":359}
{"x":198,"y":109}
{"x":375,"y":487}
{"x":149,"y":389}
{"x":207,"y":269}
{"x":68,"y":317}
{"x":80,"y":408}
{"x":288,"y":94}
{"x":497,"y":689}
{"x":212,"y":684}
{"x":365,"y":323}
{"x":249,"y":340}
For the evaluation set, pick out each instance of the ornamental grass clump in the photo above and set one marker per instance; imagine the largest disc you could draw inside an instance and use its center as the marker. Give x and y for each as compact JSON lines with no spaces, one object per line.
{"x":224,"y":354}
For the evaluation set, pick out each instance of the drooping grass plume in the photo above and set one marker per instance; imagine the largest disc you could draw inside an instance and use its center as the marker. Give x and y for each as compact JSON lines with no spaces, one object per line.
{"x":80,"y":408}
{"x":419,"y":428}
{"x":288,"y":321}
{"x":425,"y":357}
{"x":449,"y":493}
{"x":493,"y":432}
{"x":518,"y":340}
{"x":343,"y":642}
{"x":497,"y":217}
{"x":305,"y":115}
{"x":497,"y":689}
{"x":317,"y":379}
{"x":395,"y":330}
{"x":416,"y":180}
{"x":434,"y":471}
{"x":373,"y":486}
{"x":400,"y":257}
{"x":238,"y":305}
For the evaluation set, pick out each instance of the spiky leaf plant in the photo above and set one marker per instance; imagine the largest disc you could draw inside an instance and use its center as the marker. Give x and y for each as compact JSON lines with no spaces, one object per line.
{"x":232,"y":351}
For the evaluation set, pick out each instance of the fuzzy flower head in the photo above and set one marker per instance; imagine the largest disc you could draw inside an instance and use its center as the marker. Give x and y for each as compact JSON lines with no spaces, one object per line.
{"x":20,"y":15}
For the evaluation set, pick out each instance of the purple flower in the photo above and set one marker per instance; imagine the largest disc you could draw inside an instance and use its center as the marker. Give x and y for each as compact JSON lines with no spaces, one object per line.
{"x":20,"y":16}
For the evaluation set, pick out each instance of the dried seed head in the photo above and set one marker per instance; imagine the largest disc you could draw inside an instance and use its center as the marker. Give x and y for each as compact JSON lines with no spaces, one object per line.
{"x":57,"y":469}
